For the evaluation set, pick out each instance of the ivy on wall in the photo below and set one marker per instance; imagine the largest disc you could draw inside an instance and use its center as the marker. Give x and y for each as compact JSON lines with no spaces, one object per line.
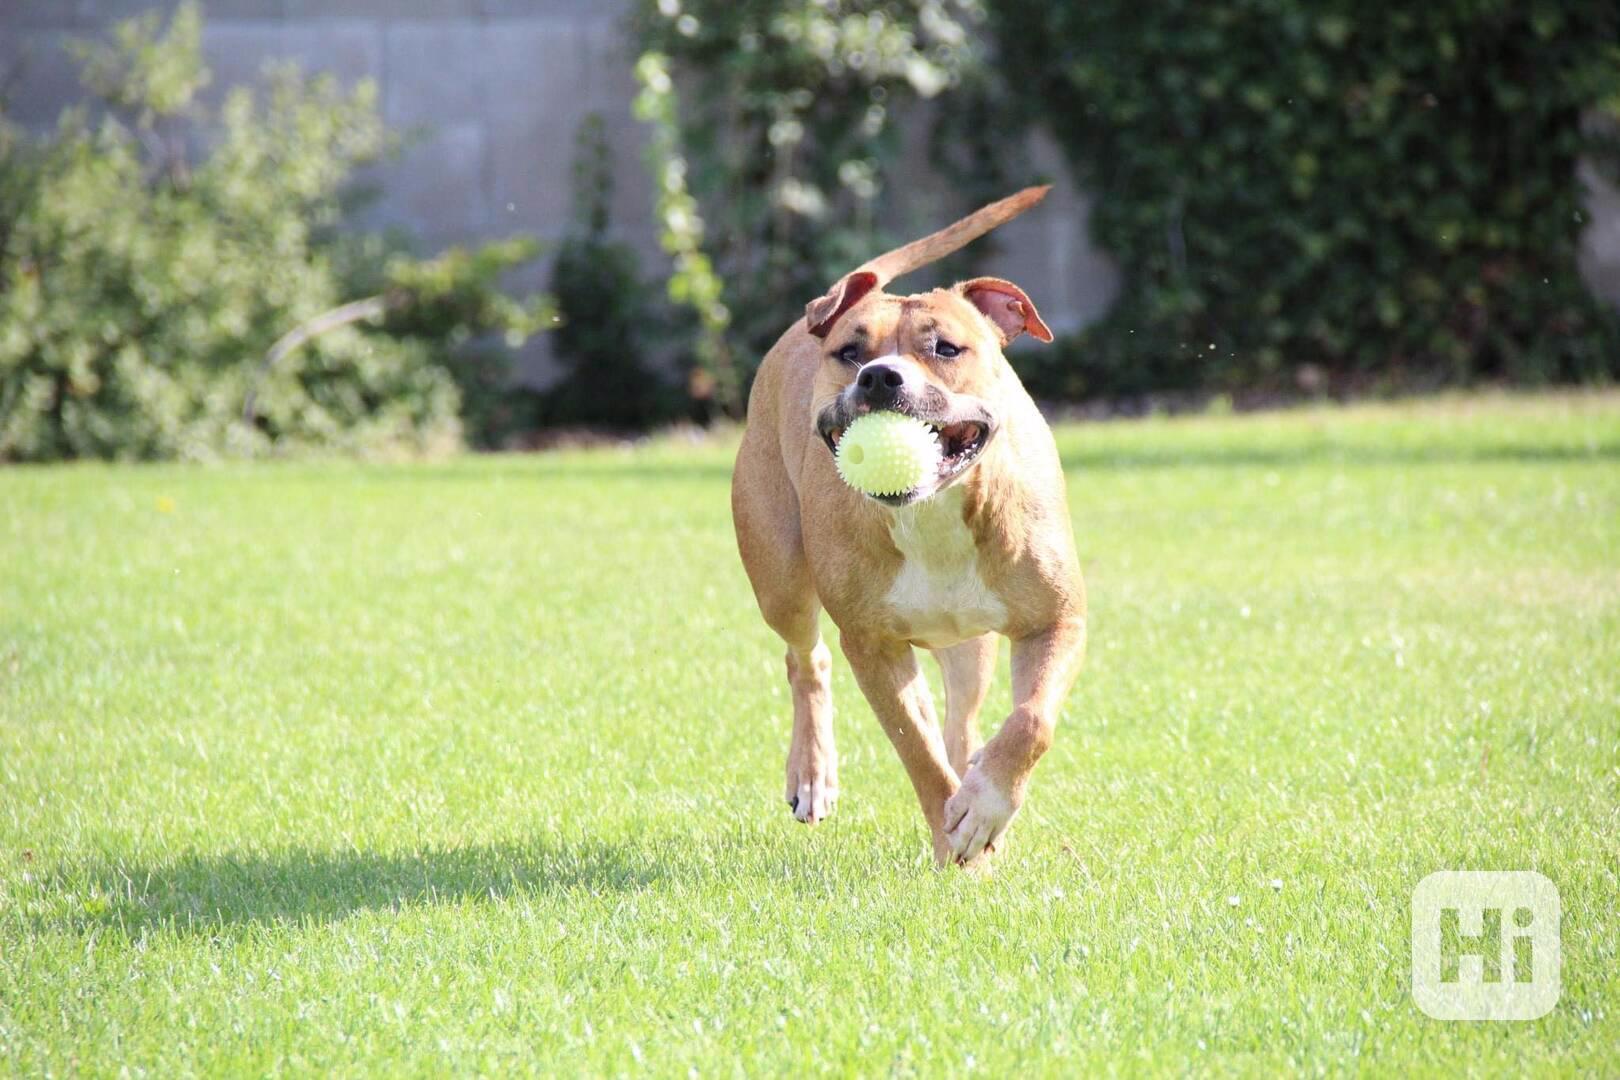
{"x":1382,"y":191}
{"x":1378,"y":195}
{"x":772,"y":168}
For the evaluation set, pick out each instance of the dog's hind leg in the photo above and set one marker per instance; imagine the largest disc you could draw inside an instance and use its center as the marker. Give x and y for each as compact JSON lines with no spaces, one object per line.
{"x":967,"y":669}
{"x":766,"y":515}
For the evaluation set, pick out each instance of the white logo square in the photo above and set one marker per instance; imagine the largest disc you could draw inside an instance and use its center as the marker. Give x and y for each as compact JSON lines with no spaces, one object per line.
{"x":1485,"y":945}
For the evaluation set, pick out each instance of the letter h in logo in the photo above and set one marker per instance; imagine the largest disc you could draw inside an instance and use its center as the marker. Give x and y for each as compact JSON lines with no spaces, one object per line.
{"x":1485,"y":945}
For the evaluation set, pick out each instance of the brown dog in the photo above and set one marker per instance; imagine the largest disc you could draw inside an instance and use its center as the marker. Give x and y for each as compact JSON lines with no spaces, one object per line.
{"x":984,"y":548}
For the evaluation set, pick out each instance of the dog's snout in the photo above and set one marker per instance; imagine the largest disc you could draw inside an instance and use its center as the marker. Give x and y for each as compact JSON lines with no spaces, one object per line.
{"x":880,"y":384}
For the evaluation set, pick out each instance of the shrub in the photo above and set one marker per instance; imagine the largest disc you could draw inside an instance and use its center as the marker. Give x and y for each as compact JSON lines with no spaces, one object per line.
{"x":140,"y":289}
{"x":611,"y":320}
{"x":452,"y":302}
{"x":1387,"y":189}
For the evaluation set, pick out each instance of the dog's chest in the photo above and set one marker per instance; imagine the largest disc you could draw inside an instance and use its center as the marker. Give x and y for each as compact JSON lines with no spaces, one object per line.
{"x":939,"y":597}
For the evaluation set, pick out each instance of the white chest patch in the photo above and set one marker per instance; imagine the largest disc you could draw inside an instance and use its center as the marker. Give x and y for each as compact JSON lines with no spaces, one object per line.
{"x":938,"y":597}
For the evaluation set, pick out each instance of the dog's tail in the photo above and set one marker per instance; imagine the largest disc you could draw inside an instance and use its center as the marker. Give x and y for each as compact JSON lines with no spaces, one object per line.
{"x":920,"y":253}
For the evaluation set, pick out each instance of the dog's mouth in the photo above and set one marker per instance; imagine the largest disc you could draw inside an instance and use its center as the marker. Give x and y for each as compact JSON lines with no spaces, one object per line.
{"x":960,"y":444}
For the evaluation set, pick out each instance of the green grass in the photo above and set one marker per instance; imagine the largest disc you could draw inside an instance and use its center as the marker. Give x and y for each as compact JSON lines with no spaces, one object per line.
{"x":477,"y":766}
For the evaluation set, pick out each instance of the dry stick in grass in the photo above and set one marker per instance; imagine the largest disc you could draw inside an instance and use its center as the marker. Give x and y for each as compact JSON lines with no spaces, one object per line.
{"x":372,"y":307}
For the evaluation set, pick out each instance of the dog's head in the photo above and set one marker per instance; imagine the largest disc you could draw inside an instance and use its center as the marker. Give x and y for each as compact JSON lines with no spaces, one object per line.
{"x":935,"y":356}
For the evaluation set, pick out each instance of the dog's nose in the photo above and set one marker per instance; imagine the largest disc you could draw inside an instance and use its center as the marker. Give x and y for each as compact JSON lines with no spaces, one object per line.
{"x":880,"y":384}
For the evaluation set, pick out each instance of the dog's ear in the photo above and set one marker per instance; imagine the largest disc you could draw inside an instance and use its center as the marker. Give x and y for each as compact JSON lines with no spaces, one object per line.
{"x":821,"y":313}
{"x":1005,"y":304}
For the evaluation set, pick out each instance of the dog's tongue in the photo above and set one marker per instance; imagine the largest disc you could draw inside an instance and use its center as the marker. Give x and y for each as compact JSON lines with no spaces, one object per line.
{"x":955,"y":436}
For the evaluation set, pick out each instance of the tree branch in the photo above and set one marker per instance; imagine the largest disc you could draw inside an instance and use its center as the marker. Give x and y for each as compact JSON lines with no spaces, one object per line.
{"x":372,"y":307}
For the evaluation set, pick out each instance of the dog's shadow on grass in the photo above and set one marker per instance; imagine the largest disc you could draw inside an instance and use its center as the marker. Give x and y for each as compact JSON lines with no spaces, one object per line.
{"x":209,"y":892}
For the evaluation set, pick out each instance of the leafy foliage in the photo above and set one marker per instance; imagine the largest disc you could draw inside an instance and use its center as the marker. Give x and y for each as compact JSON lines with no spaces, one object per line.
{"x":454,"y":301}
{"x":140,"y":289}
{"x":784,"y":141}
{"x":611,"y":319}
{"x":1382,"y":190}
{"x":693,"y":282}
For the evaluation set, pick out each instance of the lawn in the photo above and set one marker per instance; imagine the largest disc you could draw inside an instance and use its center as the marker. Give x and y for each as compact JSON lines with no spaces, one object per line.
{"x":476,"y":766}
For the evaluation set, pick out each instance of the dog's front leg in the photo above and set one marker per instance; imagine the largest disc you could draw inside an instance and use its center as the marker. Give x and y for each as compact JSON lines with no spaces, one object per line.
{"x":888,"y":675}
{"x":1044,"y":666}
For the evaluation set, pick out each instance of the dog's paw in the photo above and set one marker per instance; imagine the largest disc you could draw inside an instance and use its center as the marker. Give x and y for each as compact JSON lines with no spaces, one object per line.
{"x":811,"y":796}
{"x":976,"y":816}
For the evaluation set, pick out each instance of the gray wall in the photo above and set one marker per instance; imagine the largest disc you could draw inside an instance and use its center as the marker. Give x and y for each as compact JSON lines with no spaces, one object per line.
{"x":493,"y":90}
{"x":496,"y":89}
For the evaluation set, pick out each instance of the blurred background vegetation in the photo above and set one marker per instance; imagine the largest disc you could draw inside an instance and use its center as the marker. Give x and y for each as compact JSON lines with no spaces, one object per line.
{"x":1300,"y":197}
{"x":1372,"y":189}
{"x":143,"y":281}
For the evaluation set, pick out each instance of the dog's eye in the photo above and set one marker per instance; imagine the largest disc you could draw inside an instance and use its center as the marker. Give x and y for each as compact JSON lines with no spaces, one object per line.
{"x":946,"y":351}
{"x":848,"y":354}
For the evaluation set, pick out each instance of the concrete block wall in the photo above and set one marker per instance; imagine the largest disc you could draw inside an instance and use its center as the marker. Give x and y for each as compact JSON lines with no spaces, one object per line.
{"x":490,"y":91}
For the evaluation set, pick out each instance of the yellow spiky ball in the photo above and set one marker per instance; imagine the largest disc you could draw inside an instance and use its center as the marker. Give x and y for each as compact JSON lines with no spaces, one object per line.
{"x":887,"y":453}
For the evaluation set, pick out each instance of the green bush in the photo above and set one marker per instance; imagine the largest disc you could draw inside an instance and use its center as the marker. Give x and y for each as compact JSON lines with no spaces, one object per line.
{"x":141,"y":287}
{"x":1382,"y":191}
{"x":786,"y":139}
{"x":451,"y":303}
{"x":611,"y":321}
